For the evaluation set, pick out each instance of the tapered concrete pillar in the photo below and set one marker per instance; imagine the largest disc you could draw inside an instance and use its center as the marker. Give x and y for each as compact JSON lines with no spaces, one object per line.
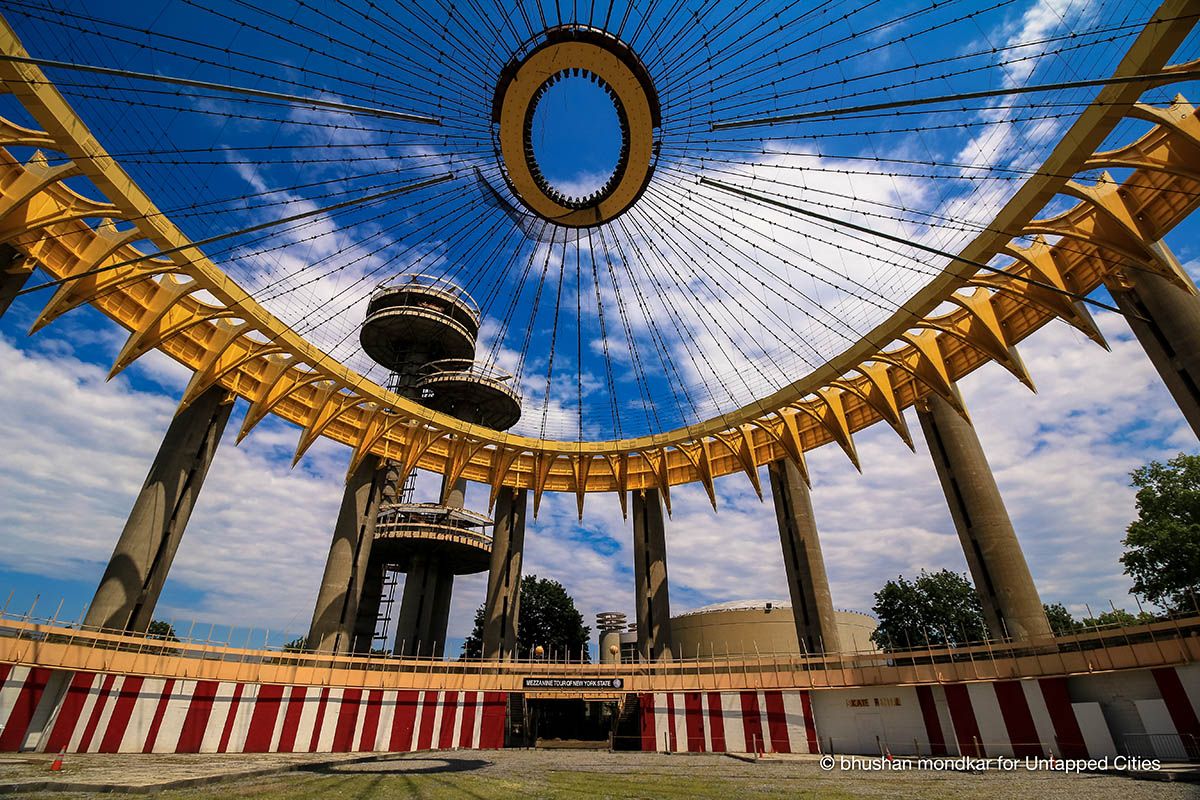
{"x":418,"y":590}
{"x":138,"y":569}
{"x":650,"y":573}
{"x":503,"y":603}
{"x":1166,"y":321}
{"x":15,"y":270}
{"x":812,"y":605}
{"x":454,"y":495}
{"x":439,"y":612}
{"x":336,"y":614}
{"x":1011,"y":606}
{"x":424,"y":608}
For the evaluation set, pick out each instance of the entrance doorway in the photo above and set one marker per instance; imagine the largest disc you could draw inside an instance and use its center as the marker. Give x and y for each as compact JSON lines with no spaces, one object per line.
{"x":570,"y":723}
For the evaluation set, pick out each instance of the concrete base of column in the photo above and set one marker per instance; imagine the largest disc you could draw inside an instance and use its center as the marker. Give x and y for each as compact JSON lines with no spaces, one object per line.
{"x":418,"y":585}
{"x":336,"y":613}
{"x":424,"y":608}
{"x":439,"y":617}
{"x":1166,"y":321}
{"x":650,"y":573}
{"x":1011,"y":606}
{"x":812,"y":604}
{"x":135,"y":575}
{"x":367,"y":618}
{"x":503,"y":603}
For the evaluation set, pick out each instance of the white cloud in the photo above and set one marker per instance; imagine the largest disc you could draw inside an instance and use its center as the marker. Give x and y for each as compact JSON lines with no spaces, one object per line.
{"x":78,"y":449}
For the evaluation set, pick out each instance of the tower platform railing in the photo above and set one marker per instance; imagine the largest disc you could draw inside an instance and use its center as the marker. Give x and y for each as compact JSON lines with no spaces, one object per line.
{"x":433,"y":532}
{"x":430,"y":284}
{"x":458,"y":369}
{"x":435,"y":523}
{"x":1169,"y":642}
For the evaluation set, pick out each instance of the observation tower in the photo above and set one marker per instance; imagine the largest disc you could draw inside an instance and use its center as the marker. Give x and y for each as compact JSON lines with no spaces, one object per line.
{"x":744,"y":266}
{"x":424,"y":331}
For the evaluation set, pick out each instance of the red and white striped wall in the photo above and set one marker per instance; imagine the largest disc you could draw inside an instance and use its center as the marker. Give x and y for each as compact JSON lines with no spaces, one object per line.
{"x":728,"y":722}
{"x":47,"y":710}
{"x":1178,"y":712}
{"x":129,"y":714}
{"x":1033,"y":717}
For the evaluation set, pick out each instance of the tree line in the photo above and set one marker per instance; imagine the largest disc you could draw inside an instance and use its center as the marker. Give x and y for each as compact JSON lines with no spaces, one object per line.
{"x":1162,"y":557}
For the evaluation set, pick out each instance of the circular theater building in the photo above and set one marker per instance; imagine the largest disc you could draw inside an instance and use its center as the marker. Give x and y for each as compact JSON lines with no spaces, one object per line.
{"x":738,"y":628}
{"x":599,"y":255}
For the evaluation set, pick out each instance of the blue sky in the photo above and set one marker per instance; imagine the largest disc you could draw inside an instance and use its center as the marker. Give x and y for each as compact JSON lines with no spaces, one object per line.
{"x":79,"y":446}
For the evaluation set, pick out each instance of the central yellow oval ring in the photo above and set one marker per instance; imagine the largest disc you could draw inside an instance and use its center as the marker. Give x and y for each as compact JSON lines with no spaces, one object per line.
{"x":516,"y":96}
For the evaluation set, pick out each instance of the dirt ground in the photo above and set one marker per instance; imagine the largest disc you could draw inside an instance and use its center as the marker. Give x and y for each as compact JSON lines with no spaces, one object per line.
{"x":547,"y":774}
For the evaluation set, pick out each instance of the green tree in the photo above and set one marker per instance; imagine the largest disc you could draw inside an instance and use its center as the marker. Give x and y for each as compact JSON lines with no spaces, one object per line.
{"x":1118,"y":617}
{"x":1162,"y":546}
{"x":161,"y":629}
{"x":938,"y":608}
{"x":297,"y":645}
{"x":1061,"y":620}
{"x":548,"y":618}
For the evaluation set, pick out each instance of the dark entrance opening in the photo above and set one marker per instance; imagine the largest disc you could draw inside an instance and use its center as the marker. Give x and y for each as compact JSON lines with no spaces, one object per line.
{"x":570,"y":723}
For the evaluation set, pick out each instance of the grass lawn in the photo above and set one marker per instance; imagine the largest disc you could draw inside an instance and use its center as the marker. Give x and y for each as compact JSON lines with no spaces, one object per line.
{"x":555,"y":774}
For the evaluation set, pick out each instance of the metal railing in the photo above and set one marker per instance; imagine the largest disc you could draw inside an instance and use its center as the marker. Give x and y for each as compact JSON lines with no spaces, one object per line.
{"x":27,"y":641}
{"x":458,"y":369}
{"x":1163,"y":746}
{"x":433,"y":521}
{"x":429,"y":284}
{"x":394,"y":529}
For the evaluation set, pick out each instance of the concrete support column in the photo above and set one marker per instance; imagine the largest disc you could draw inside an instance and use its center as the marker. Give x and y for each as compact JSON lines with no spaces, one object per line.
{"x":1169,"y":332}
{"x":1011,"y":606}
{"x":336,"y":613}
{"x":609,"y":640}
{"x":138,"y":569}
{"x":367,"y":617}
{"x":650,"y":573}
{"x":503,"y":603}
{"x":15,"y":270}
{"x":439,"y":612}
{"x":812,"y":605}
{"x":424,"y":608}
{"x":454,"y":495}
{"x":418,"y":591}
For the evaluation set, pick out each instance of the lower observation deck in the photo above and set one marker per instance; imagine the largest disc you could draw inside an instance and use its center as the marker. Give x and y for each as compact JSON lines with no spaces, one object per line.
{"x":470,"y":391}
{"x":454,"y":535}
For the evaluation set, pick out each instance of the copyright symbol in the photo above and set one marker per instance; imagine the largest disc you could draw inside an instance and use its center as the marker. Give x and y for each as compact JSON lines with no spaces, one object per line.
{"x":827,"y":763}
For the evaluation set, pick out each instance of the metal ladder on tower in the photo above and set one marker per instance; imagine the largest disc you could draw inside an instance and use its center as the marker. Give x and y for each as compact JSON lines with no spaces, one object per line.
{"x":391,"y":580}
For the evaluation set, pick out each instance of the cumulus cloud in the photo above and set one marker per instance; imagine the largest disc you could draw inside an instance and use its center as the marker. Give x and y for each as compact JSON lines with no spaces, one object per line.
{"x":77,"y":451}
{"x":78,"y":448}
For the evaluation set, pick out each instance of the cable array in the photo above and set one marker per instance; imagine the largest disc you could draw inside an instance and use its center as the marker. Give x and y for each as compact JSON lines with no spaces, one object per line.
{"x":817,"y":165}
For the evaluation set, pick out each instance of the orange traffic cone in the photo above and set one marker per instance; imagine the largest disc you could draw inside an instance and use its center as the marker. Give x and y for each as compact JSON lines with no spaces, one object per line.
{"x":58,"y":761}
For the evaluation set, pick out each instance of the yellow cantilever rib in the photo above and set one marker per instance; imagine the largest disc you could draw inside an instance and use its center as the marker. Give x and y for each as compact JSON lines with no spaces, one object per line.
{"x":237,"y":343}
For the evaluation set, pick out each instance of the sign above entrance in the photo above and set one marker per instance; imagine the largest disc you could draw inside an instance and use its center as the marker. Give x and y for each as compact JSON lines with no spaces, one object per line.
{"x":576,"y":684}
